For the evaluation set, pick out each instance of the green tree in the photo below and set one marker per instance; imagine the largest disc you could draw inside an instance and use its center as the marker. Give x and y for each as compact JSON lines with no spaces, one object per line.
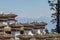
{"x":46,"y":30}
{"x":56,"y":15}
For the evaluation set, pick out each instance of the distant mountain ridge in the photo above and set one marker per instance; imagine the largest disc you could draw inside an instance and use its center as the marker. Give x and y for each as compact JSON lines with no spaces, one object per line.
{"x":25,"y":19}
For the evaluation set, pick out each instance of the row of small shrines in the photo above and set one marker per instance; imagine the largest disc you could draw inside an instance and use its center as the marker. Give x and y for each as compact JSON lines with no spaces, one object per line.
{"x":18,"y":26}
{"x":30,"y":37}
{"x":22,"y":26}
{"x":7,"y":32}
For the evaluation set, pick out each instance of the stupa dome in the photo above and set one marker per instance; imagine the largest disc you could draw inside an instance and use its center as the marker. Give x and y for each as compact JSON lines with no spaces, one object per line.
{"x":7,"y":28}
{"x":39,"y":23}
{"x":16,"y":25}
{"x":27,"y":24}
{"x":11,"y":15}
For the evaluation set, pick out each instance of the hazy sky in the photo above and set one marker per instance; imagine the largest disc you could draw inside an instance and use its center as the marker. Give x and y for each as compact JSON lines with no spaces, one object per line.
{"x":27,"y":8}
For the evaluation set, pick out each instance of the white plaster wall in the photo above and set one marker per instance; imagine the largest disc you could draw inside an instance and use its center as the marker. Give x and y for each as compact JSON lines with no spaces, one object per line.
{"x":28,"y":32}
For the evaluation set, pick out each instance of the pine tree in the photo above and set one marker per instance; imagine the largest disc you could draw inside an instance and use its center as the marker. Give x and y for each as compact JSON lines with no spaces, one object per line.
{"x":56,"y":15}
{"x":46,"y":30}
